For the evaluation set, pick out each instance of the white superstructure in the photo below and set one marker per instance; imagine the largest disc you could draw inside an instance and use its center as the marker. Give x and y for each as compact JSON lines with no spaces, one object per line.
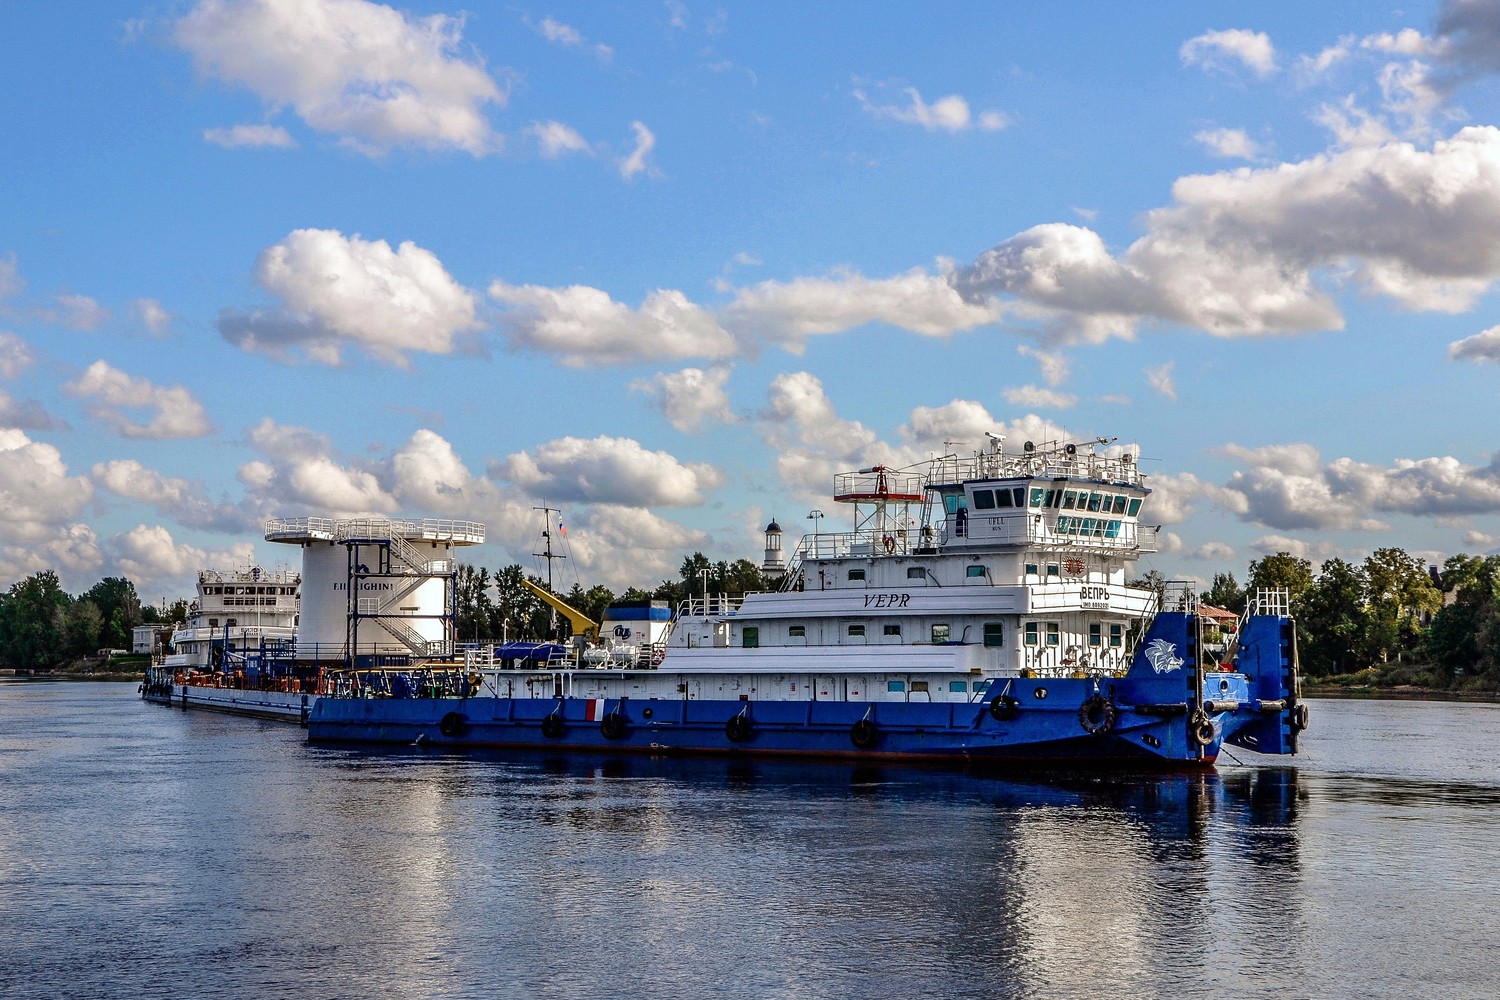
{"x":238,"y":610}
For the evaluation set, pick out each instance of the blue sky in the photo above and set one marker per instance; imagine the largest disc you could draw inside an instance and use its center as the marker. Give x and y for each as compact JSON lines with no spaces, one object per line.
{"x":670,"y":266}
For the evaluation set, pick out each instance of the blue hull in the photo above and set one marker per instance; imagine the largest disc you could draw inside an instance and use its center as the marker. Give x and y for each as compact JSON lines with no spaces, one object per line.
{"x":1151,"y":715}
{"x":1050,"y":727}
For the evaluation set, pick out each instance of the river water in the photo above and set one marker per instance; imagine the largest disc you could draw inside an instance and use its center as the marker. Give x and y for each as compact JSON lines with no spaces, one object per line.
{"x":148,"y":852}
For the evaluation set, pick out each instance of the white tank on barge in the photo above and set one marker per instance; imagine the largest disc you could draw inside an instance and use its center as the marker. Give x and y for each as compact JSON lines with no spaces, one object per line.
{"x":375,"y":588}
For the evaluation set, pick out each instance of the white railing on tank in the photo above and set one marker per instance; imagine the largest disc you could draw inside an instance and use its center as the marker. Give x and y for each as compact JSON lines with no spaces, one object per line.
{"x":300,"y":527}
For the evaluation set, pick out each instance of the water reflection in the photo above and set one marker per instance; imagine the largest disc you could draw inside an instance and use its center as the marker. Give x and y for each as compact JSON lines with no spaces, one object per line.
{"x":226,"y":858}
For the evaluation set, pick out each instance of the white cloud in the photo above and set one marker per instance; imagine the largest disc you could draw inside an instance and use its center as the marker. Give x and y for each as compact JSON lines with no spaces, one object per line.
{"x":1214,"y":552}
{"x":1173,"y":497}
{"x":156,"y":320}
{"x":428,"y":474}
{"x":554,"y":139}
{"x":1053,"y":364}
{"x":1230,"y":143}
{"x":26,"y":415}
{"x":630,"y":546}
{"x":16,"y":355}
{"x":1160,"y":380}
{"x":250,"y":137}
{"x":1480,"y":540}
{"x":1313,"y":552}
{"x":566,"y":35}
{"x":1034,"y":395}
{"x":183,"y":501}
{"x":1290,"y":487}
{"x":151,"y":558}
{"x":690,"y":399}
{"x":947,"y":114}
{"x":173,"y":412}
{"x":339,"y":290}
{"x":585,"y":327}
{"x":372,"y":75}
{"x":301,"y":476}
{"x":789,"y":312}
{"x":1483,"y":346}
{"x":71,"y":550}
{"x":1216,"y":50}
{"x":638,"y":161}
{"x":608,"y":470}
{"x":1238,"y":252}
{"x":36,"y":493}
{"x":79,"y":311}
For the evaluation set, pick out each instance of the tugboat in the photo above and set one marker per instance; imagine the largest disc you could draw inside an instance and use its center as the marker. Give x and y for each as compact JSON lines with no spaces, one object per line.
{"x":977,"y":611}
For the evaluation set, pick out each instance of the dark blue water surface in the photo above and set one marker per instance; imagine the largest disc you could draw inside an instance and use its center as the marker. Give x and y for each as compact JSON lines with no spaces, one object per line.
{"x":149,"y":852}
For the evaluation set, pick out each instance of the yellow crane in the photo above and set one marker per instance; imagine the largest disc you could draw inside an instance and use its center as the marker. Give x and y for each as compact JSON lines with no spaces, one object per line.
{"x":581,"y":623}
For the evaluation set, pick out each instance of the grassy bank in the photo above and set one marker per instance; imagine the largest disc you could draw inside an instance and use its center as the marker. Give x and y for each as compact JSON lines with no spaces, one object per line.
{"x":1401,"y":680}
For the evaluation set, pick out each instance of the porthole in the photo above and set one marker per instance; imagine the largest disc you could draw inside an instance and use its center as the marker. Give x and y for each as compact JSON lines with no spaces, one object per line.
{"x":1039,"y":693}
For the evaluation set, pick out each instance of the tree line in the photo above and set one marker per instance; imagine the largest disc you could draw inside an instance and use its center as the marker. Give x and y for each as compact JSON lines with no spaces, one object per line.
{"x":1391,"y":615}
{"x":42,"y":626}
{"x":496,"y":606}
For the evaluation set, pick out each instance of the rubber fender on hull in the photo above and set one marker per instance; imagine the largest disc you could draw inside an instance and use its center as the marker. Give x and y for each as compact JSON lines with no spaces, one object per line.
{"x":738,"y":728}
{"x":1201,"y":728}
{"x":452,"y":725}
{"x":863,"y":734}
{"x":613,"y":726}
{"x":552,"y":726}
{"x":1003,"y":707}
{"x":1097,"y":715}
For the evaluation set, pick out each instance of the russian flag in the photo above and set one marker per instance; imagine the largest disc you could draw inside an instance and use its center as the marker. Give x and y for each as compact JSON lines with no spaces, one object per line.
{"x":560,"y":529}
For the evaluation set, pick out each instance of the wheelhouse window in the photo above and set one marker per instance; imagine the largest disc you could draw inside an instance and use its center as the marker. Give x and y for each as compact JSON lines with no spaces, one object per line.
{"x":856,"y":574}
{"x":994,"y":634}
{"x":1116,"y":634}
{"x":750,"y":637}
{"x":1003,"y":498}
{"x":893,"y":630}
{"x":1053,"y":634}
{"x":940,"y":634}
{"x":1119,"y":505}
{"x":1070,"y":498}
{"x":1033,"y":632}
{"x":1135,"y":506}
{"x":984,"y":500}
{"x":1054,"y":571}
{"x":1094,"y":634}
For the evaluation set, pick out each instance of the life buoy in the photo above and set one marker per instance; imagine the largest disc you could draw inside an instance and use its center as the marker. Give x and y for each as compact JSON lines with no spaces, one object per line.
{"x":657,"y":655}
{"x":613,"y":725}
{"x":863,"y":734}
{"x":1097,"y":715}
{"x":552,"y":726}
{"x":452,"y":725}
{"x":1201,"y":728}
{"x":1004,"y":708}
{"x":890,"y":544}
{"x":1299,"y":715}
{"x":738,"y":728}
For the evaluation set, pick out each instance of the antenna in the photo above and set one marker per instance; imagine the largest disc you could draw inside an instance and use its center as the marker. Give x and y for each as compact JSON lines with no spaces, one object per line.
{"x":547,"y":552}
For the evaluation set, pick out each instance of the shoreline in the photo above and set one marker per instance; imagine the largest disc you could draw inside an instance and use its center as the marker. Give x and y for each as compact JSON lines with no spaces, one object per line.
{"x":1401,"y":692}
